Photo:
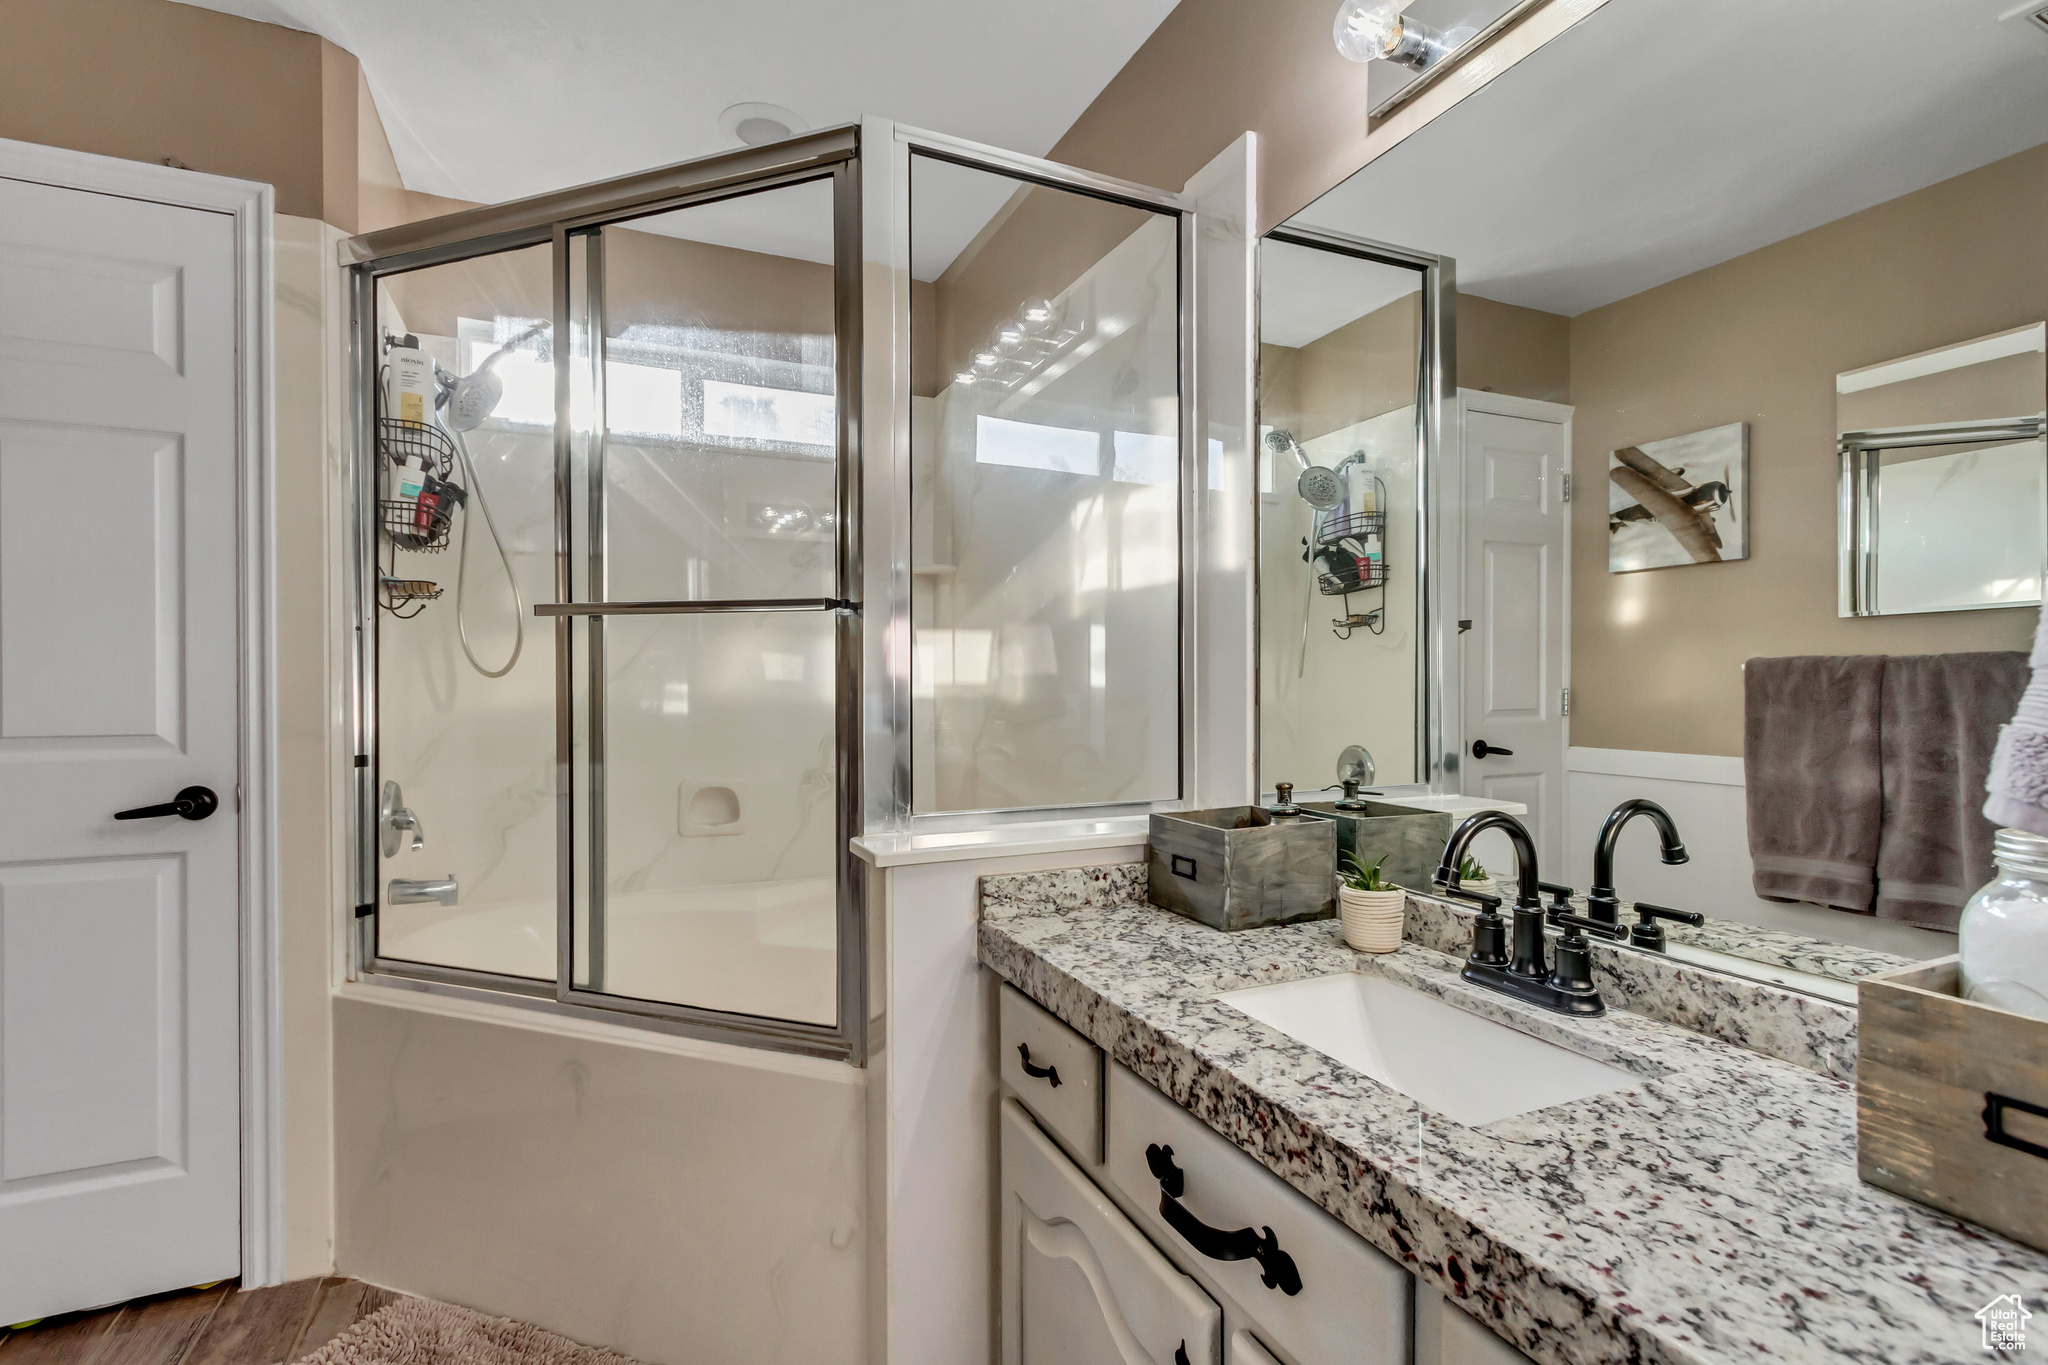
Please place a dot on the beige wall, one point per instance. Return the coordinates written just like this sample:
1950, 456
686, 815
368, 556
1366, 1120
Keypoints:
147, 79
1214, 69
1519, 351
1656, 655
1367, 366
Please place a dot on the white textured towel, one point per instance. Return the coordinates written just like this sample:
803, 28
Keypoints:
2019, 766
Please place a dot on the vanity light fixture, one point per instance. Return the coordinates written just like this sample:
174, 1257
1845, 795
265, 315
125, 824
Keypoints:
1376, 30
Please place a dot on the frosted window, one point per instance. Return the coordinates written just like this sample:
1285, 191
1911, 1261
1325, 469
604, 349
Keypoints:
761, 414
1027, 445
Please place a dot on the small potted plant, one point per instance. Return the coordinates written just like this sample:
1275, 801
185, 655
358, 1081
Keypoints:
1372, 908
1475, 878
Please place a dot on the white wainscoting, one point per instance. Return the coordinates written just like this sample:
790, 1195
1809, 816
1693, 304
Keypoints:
1704, 794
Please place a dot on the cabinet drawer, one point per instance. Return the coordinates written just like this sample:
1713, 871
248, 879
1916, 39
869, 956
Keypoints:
1353, 1303
1054, 1070
1079, 1282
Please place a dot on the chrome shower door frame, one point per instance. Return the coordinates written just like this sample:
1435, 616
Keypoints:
562, 220
1439, 725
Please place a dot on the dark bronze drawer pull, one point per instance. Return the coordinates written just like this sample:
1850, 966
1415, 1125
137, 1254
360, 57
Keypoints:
1048, 1073
1995, 1106
1276, 1267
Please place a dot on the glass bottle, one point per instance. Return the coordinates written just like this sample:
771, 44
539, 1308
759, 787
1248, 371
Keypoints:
2004, 930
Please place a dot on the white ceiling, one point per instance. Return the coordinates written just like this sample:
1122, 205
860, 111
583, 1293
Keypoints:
1305, 293
488, 100
1659, 137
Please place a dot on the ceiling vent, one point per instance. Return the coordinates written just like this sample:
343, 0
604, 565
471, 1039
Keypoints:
2032, 16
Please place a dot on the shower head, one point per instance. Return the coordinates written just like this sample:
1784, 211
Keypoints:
474, 397
1319, 488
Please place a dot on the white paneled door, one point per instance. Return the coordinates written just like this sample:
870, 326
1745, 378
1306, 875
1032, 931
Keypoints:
120, 1148
1513, 659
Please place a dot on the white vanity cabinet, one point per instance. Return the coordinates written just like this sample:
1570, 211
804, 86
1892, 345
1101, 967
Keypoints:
1080, 1284
1444, 1335
1132, 1232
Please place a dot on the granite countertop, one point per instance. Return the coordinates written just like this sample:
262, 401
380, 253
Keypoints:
1710, 1213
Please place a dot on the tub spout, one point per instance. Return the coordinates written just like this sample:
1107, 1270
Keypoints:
404, 892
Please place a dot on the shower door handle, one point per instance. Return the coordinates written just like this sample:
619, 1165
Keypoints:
193, 803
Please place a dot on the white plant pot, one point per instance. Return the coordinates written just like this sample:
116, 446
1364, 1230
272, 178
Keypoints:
1372, 919
1484, 887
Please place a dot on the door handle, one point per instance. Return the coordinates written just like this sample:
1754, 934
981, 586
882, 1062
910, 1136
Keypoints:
193, 803
1481, 749
1045, 1073
1276, 1267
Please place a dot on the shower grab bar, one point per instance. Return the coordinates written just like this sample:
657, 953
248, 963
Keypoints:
684, 608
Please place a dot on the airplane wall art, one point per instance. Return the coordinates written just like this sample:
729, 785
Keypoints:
1679, 501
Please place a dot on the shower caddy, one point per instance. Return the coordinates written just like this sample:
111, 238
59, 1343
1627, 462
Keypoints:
420, 524
1341, 563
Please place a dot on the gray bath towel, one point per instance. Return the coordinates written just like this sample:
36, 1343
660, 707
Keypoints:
1941, 721
2019, 769
1810, 763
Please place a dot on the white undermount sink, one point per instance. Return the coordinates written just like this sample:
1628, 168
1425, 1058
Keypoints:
1468, 1069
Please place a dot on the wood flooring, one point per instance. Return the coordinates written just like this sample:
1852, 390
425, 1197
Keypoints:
218, 1326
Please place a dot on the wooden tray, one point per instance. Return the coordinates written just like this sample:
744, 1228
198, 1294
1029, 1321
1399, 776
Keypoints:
1952, 1100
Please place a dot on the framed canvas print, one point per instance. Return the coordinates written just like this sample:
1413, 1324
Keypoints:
1679, 501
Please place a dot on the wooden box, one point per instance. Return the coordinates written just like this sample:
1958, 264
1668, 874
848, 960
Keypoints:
1410, 841
1952, 1100
1240, 867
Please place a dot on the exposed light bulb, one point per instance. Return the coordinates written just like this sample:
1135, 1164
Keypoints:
1009, 338
1038, 316
1376, 30
965, 377
986, 361
1363, 27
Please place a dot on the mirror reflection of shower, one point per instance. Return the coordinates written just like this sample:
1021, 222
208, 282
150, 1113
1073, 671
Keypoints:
1340, 499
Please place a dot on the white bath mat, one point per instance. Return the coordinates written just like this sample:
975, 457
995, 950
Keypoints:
422, 1332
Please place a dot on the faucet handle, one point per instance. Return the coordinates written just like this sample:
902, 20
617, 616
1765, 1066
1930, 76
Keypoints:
1572, 923
1647, 933
1650, 912
1560, 896
1489, 905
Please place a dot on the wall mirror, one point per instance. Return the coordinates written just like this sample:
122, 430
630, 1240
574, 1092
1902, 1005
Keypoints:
1346, 427
1695, 260
1942, 504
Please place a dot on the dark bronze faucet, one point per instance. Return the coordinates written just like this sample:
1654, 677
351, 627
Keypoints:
1568, 988
1601, 902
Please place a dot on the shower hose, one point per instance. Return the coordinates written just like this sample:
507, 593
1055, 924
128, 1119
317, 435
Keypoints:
476, 491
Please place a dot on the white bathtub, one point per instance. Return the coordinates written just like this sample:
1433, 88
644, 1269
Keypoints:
765, 948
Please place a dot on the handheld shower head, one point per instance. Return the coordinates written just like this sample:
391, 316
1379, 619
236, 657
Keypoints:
1318, 487
474, 397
